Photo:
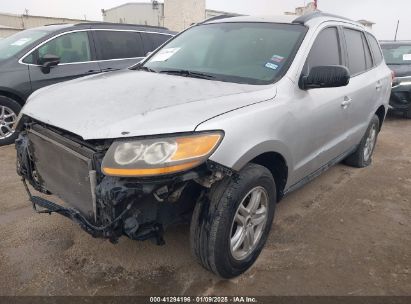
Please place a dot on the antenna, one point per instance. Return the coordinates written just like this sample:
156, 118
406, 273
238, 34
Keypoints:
396, 31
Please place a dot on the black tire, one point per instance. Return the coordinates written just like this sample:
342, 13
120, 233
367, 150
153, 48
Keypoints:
408, 114
15, 107
213, 217
358, 158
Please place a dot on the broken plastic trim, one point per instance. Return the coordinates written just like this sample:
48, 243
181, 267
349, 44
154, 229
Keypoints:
50, 207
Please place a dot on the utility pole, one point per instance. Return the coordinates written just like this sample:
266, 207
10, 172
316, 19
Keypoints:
396, 31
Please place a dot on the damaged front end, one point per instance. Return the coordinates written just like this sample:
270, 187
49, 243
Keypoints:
57, 162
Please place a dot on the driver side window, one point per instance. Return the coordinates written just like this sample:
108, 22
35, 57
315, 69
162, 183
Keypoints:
325, 50
73, 47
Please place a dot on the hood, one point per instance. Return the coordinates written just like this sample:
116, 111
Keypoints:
135, 103
401, 70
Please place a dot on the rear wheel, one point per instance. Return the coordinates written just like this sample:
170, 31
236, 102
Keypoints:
229, 231
9, 109
362, 157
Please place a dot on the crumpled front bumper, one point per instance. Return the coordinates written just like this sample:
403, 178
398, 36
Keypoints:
103, 206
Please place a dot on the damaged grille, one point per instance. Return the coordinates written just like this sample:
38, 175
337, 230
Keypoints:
65, 168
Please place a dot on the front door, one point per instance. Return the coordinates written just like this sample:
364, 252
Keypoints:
323, 119
75, 55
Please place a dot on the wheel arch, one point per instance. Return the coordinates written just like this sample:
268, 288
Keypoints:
381, 112
277, 165
275, 157
12, 95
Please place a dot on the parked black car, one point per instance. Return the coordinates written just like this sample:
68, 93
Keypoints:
397, 55
34, 58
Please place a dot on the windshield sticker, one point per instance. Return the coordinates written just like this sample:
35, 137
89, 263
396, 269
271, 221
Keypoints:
21, 41
406, 57
277, 58
271, 66
164, 54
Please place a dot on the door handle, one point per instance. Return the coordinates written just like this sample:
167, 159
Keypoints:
347, 102
378, 86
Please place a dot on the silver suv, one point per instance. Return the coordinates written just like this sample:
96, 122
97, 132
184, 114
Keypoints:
213, 128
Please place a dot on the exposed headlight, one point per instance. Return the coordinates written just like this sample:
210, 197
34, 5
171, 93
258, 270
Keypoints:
158, 156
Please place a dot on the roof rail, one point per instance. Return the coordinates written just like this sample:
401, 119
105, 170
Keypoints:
317, 14
122, 24
221, 17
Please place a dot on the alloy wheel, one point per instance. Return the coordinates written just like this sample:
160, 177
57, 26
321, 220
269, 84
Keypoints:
249, 223
7, 119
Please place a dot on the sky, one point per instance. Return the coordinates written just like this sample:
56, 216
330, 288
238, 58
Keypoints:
384, 13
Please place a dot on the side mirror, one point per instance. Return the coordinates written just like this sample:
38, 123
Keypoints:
48, 61
331, 76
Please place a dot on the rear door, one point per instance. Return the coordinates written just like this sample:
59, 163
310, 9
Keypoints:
118, 49
76, 59
364, 86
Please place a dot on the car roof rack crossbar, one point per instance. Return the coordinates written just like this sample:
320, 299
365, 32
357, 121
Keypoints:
122, 24
317, 14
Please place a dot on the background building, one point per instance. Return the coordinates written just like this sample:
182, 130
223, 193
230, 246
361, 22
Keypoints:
366, 23
302, 10
11, 23
136, 13
176, 15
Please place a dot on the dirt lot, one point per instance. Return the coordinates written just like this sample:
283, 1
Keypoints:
346, 233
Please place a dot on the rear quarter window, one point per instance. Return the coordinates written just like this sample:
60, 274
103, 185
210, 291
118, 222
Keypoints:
375, 48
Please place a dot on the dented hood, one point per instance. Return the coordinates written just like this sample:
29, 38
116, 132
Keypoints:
135, 103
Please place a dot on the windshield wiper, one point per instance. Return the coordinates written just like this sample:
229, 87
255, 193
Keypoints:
188, 73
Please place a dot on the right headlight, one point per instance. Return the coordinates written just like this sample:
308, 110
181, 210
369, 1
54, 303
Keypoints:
159, 156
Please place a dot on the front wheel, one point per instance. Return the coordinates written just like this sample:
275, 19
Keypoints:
229, 229
9, 109
362, 157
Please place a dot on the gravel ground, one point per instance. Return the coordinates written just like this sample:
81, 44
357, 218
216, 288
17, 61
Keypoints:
346, 233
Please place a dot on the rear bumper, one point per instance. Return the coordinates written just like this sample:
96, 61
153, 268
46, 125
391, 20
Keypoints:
103, 206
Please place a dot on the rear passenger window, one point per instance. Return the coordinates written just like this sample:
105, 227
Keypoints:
375, 48
118, 44
325, 51
357, 58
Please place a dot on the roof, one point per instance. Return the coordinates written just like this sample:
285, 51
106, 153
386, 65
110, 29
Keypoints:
304, 19
272, 19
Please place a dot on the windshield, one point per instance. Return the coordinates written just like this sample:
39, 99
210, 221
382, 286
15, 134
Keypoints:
253, 53
397, 53
13, 44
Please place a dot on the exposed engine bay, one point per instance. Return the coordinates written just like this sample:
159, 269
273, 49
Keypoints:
56, 162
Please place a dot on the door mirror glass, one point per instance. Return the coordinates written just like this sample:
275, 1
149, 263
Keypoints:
332, 76
48, 61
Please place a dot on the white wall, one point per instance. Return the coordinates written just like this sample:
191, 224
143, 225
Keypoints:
135, 13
